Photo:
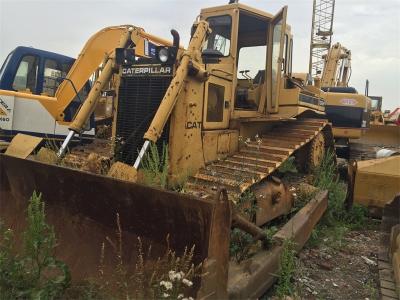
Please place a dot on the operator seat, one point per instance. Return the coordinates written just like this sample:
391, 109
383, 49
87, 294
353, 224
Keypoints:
242, 94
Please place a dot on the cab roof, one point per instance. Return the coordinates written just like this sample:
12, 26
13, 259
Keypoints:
239, 6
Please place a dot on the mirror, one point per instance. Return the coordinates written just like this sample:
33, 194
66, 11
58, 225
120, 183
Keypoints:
211, 56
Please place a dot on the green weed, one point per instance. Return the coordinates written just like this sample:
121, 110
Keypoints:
240, 244
288, 166
337, 221
285, 285
155, 167
370, 286
33, 272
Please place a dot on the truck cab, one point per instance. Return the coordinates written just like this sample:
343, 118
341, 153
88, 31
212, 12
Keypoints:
31, 70
27, 75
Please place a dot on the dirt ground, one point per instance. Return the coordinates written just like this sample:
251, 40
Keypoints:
336, 267
346, 271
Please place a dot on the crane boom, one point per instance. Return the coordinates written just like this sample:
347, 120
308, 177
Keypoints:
321, 34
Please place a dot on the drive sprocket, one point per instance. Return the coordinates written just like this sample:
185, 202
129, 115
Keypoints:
316, 152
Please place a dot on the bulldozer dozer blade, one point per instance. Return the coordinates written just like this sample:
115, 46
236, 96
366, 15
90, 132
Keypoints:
381, 135
375, 182
82, 207
23, 145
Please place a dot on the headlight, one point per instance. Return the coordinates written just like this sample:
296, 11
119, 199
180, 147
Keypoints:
163, 55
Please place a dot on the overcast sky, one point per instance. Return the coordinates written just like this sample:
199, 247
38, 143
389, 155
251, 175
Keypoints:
370, 28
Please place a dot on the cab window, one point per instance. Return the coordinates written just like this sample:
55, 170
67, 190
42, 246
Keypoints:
251, 61
52, 73
26, 76
215, 104
220, 38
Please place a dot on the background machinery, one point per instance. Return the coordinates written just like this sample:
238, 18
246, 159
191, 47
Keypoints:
375, 183
330, 67
225, 137
27, 76
321, 34
377, 117
47, 85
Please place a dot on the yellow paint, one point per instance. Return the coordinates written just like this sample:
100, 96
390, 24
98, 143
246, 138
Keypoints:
351, 133
377, 181
23, 145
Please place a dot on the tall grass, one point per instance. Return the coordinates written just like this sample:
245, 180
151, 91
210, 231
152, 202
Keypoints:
155, 166
167, 277
32, 272
287, 269
337, 221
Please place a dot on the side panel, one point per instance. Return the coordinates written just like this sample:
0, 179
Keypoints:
6, 112
22, 115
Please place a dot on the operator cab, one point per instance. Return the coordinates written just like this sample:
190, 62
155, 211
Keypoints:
255, 53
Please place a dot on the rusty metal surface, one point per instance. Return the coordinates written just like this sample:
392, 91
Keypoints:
146, 212
215, 269
255, 161
23, 145
253, 277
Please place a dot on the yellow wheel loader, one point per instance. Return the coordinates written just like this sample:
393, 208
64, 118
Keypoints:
229, 112
375, 184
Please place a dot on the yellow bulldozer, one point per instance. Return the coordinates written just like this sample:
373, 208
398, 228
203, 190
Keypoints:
380, 136
228, 112
375, 183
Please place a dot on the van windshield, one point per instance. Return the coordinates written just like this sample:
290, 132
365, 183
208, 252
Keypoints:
3, 67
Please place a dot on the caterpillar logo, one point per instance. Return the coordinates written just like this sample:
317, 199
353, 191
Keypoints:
154, 70
2, 112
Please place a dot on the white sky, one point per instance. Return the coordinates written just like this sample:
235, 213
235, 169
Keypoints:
370, 28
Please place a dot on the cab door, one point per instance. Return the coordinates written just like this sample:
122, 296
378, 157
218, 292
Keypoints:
275, 60
218, 88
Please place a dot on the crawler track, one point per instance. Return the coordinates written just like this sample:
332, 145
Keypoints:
256, 160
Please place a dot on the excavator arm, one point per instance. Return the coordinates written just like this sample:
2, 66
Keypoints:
336, 73
127, 36
96, 51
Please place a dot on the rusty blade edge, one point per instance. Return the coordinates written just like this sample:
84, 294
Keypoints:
265, 265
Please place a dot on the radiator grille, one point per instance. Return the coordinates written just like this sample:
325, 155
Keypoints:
138, 100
